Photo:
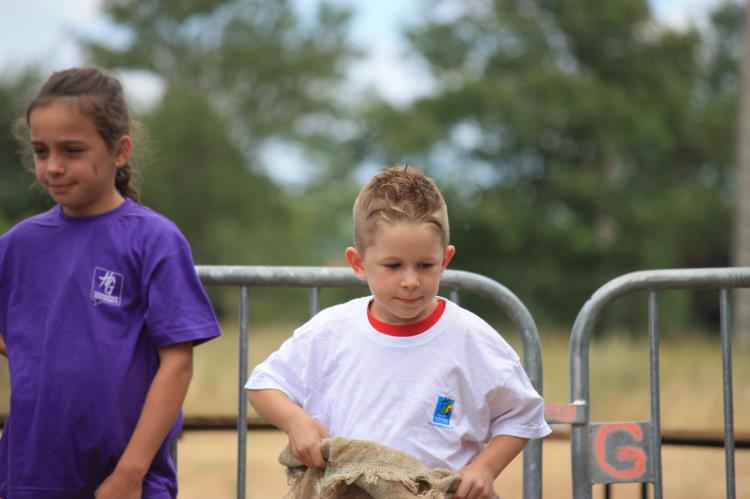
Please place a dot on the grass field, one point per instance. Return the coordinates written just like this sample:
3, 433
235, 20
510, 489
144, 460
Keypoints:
691, 399
690, 377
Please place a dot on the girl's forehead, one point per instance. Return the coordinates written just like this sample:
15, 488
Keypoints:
60, 116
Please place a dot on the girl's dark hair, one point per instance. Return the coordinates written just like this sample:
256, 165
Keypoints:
100, 97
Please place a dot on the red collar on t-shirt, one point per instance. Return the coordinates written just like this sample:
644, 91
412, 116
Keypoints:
413, 329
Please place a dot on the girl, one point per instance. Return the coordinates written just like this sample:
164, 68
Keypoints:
100, 308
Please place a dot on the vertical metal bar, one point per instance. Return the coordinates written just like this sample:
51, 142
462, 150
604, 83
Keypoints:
314, 300
242, 412
653, 337
532, 470
726, 358
454, 296
580, 452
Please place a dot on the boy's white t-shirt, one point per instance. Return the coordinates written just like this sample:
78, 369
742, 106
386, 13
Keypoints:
440, 395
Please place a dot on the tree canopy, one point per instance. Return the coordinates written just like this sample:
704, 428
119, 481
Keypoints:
581, 142
575, 141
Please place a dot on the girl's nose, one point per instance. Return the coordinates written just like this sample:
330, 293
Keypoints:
54, 165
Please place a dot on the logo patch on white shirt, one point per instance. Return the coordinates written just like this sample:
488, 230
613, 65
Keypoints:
443, 411
106, 287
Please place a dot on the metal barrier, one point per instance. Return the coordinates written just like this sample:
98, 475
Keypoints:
315, 278
630, 452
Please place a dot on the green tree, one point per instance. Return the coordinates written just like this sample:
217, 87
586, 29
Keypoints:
741, 249
19, 195
267, 72
239, 75
197, 176
581, 139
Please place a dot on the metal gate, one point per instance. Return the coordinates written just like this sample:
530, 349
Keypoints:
608, 453
630, 452
315, 278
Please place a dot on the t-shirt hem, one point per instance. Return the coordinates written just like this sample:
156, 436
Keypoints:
261, 385
197, 335
523, 431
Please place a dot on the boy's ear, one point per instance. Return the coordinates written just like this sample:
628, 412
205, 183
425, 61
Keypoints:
355, 262
450, 250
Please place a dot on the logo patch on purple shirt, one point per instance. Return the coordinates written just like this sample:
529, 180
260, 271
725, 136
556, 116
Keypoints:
106, 287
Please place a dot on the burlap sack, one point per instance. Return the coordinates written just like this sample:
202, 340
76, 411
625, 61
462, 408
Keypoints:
360, 469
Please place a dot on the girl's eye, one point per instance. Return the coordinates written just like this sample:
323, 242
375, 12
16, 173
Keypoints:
39, 151
73, 150
392, 265
426, 265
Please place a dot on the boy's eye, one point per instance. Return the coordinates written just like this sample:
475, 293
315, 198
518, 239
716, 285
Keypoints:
392, 265
39, 151
426, 265
73, 150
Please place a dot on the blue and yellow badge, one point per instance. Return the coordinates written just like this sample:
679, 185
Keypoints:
443, 411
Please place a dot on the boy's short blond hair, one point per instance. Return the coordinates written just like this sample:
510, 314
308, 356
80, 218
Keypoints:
400, 193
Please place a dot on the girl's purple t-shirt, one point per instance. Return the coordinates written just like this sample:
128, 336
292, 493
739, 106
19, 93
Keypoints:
85, 303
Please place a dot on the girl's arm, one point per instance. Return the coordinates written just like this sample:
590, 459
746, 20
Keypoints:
160, 410
477, 476
304, 432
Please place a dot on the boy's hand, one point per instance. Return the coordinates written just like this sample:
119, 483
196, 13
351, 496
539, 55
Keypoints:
305, 434
478, 475
476, 483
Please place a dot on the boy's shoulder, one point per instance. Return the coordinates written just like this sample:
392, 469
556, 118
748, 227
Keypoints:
338, 316
475, 331
466, 319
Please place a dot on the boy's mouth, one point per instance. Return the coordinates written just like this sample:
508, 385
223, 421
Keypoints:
408, 300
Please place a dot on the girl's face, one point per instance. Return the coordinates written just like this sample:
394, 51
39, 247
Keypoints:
72, 162
403, 267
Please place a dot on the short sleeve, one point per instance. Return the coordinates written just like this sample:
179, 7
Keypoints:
283, 370
516, 407
177, 307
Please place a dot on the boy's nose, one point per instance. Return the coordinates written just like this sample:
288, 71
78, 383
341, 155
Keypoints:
410, 279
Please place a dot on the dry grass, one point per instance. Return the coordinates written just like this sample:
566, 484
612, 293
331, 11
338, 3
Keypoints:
208, 460
691, 399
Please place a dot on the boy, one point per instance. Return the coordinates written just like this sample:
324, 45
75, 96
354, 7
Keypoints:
402, 367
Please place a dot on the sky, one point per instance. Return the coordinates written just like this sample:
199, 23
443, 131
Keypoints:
43, 32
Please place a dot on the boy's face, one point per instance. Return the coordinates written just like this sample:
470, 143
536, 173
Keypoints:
403, 267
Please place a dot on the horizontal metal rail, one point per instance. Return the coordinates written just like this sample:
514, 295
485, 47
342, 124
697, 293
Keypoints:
677, 438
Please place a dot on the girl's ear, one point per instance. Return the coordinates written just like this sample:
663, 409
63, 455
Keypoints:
123, 150
355, 262
450, 250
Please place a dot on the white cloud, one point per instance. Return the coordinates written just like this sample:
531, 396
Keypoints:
44, 31
684, 13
